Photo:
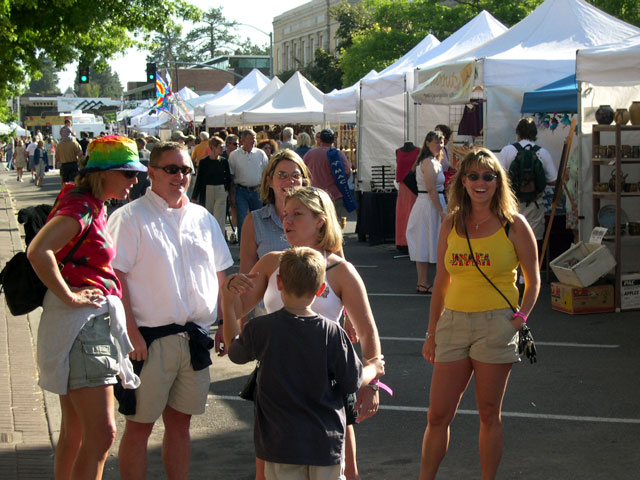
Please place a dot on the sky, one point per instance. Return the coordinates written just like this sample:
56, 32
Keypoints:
131, 66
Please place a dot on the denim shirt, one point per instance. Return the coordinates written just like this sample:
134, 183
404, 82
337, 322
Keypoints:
269, 231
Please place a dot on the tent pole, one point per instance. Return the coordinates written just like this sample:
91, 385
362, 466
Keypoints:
580, 171
356, 182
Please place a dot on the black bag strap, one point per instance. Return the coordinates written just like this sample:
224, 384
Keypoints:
69, 255
473, 257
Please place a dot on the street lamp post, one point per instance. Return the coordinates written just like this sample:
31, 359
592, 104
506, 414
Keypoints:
270, 35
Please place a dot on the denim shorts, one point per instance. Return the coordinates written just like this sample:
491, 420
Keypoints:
93, 359
487, 337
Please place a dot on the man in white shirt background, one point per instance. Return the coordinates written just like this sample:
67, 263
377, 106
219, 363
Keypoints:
246, 165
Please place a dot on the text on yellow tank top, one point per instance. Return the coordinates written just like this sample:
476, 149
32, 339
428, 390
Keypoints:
469, 290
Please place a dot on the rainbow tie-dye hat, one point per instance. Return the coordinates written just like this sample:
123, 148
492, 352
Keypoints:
113, 152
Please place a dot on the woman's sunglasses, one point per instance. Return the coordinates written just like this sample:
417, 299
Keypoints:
128, 173
487, 177
284, 175
173, 169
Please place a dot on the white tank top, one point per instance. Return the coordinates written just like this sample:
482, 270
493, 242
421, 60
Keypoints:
327, 304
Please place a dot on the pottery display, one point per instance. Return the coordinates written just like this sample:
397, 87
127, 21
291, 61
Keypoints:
625, 151
630, 187
621, 116
602, 187
634, 113
612, 182
604, 114
635, 151
634, 228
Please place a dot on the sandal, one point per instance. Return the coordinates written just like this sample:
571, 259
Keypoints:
424, 290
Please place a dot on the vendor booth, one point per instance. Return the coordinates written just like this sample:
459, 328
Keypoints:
244, 91
538, 50
387, 116
610, 75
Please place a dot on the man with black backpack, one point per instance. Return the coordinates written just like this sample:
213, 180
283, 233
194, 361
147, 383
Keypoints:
530, 169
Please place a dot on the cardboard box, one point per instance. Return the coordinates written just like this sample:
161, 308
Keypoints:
584, 263
572, 299
630, 292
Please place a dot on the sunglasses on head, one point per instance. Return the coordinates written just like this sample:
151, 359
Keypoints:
284, 175
487, 177
128, 173
173, 169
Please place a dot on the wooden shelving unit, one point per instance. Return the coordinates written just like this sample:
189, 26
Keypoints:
618, 163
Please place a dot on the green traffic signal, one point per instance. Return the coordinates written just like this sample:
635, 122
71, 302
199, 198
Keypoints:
83, 75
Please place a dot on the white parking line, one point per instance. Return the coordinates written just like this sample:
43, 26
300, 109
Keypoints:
547, 344
536, 416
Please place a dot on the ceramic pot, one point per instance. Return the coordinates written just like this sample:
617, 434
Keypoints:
604, 114
621, 116
634, 113
612, 182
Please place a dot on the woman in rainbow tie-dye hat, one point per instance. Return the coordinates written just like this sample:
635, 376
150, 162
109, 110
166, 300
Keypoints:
82, 337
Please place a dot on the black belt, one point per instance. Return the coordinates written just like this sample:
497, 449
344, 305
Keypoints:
248, 188
424, 191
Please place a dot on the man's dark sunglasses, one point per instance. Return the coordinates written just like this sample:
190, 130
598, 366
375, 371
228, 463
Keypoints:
173, 169
129, 173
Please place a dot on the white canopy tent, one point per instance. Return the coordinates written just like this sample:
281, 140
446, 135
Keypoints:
198, 103
606, 75
386, 117
17, 129
538, 50
298, 101
186, 93
235, 117
346, 99
4, 129
244, 90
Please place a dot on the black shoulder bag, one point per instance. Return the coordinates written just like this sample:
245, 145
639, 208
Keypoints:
526, 344
23, 289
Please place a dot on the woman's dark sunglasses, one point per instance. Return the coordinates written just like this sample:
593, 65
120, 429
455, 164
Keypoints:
284, 175
129, 173
487, 177
173, 169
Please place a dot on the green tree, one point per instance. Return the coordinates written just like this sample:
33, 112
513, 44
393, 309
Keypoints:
250, 48
72, 30
627, 10
352, 20
102, 83
169, 47
324, 72
211, 37
45, 81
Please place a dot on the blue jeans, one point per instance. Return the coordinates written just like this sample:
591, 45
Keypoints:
246, 201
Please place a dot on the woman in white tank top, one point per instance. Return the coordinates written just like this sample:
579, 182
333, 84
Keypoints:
310, 220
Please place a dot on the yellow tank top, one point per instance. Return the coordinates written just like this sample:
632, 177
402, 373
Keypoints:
469, 290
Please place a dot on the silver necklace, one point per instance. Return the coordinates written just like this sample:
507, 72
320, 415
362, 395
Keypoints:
481, 222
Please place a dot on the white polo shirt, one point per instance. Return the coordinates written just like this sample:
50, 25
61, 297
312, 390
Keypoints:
171, 257
509, 153
31, 148
247, 167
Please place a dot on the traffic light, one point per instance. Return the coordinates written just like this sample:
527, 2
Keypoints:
151, 72
83, 74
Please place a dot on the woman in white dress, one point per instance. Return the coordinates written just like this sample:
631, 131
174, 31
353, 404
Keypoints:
428, 211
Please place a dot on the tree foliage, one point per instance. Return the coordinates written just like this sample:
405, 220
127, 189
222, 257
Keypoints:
249, 48
211, 36
324, 72
169, 47
45, 81
75, 30
102, 83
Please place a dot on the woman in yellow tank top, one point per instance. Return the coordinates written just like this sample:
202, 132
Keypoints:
471, 329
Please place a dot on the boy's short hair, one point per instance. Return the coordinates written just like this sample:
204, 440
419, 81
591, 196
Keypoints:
301, 271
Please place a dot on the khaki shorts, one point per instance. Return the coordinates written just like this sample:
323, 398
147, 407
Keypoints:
534, 213
93, 359
285, 471
167, 378
487, 337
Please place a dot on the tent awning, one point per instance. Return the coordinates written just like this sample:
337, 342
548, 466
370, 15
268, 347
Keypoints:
559, 96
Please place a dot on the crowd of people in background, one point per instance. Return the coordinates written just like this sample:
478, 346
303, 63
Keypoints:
285, 201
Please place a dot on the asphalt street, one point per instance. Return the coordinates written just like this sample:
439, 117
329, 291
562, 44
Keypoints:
574, 414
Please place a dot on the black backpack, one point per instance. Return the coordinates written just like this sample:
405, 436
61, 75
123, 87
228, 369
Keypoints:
526, 174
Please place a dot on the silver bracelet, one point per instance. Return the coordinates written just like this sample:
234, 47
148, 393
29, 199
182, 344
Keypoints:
430, 335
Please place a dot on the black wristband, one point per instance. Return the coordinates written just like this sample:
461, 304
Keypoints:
220, 321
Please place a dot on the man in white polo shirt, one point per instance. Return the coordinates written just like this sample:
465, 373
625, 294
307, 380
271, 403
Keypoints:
171, 259
247, 164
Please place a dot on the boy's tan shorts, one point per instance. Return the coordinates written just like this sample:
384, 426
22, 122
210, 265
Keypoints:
285, 471
167, 378
487, 337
